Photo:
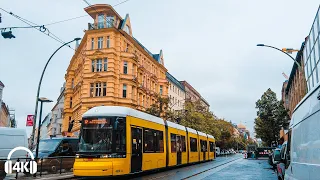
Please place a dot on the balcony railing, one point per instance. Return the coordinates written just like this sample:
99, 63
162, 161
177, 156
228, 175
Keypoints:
100, 25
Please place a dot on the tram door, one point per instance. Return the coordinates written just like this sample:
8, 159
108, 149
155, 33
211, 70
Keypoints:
136, 156
179, 150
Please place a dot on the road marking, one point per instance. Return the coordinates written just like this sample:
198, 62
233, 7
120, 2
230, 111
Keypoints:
215, 168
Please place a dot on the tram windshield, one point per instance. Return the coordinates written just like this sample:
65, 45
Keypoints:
103, 135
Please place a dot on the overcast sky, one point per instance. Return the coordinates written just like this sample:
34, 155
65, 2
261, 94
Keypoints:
209, 43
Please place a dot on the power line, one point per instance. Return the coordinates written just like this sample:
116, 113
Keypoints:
120, 3
57, 22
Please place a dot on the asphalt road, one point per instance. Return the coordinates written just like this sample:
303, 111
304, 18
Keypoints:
232, 167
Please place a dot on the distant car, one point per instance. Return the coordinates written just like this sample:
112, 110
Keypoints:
222, 152
217, 151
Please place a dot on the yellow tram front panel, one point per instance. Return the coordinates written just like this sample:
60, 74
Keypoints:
193, 147
100, 166
151, 159
177, 144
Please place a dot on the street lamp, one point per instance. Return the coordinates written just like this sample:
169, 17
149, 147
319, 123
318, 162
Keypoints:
38, 92
42, 100
263, 45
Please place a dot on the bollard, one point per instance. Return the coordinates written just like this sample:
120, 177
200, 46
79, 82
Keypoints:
41, 167
60, 164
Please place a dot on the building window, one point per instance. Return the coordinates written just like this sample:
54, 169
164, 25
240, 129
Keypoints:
93, 62
100, 21
127, 47
124, 91
193, 145
99, 65
91, 90
104, 89
98, 89
125, 67
70, 102
105, 64
127, 29
72, 83
110, 21
92, 43
108, 41
100, 42
161, 89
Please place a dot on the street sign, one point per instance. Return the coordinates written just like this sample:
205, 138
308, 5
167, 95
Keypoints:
30, 120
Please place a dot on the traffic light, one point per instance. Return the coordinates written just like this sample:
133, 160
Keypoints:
7, 35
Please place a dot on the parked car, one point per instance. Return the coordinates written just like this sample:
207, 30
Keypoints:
275, 157
11, 138
283, 161
51, 152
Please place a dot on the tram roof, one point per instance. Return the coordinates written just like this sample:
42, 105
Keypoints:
176, 126
121, 112
210, 136
202, 134
191, 130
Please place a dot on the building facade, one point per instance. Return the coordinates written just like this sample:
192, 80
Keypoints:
283, 94
55, 125
193, 95
4, 115
176, 93
311, 54
4, 110
296, 87
111, 67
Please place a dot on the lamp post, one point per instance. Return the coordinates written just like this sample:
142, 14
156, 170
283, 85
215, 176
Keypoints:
264, 45
38, 92
42, 100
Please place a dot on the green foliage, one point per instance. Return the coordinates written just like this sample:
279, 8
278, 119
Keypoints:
196, 116
271, 116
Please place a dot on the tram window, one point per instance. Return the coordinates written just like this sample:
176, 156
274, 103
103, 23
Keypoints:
193, 145
203, 146
173, 143
183, 143
158, 139
148, 141
211, 146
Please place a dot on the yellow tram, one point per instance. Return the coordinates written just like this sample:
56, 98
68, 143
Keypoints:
117, 140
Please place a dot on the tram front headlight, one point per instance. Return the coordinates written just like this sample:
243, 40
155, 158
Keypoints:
77, 155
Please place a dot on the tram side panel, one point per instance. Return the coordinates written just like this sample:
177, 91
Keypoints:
211, 145
193, 147
153, 144
203, 148
177, 147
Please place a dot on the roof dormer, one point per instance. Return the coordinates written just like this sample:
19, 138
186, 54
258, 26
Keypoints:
126, 25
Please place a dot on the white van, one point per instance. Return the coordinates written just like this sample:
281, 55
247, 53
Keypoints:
217, 151
9, 139
304, 153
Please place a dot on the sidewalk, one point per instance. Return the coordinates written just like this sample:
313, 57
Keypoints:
44, 176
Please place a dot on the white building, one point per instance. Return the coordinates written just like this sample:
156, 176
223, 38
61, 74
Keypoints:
54, 128
176, 93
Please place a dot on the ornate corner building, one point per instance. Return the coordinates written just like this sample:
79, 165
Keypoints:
111, 67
